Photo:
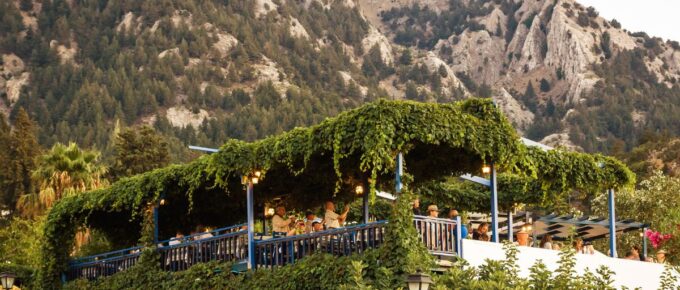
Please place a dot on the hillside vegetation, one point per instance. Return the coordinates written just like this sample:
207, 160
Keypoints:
202, 72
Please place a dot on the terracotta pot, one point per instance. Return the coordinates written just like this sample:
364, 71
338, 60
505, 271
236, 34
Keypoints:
523, 238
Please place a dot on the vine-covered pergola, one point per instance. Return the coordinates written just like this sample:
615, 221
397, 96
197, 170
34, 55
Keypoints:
327, 161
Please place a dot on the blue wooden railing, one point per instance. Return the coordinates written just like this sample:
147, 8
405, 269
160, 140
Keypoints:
441, 237
341, 242
109, 263
231, 246
91, 269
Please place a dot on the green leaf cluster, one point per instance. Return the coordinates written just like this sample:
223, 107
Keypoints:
324, 162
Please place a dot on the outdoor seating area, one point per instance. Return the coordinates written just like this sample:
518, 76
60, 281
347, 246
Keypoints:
350, 157
441, 237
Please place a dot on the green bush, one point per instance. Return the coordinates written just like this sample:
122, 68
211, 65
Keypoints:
504, 275
362, 271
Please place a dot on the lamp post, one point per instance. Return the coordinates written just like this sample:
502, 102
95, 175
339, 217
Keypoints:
7, 280
418, 281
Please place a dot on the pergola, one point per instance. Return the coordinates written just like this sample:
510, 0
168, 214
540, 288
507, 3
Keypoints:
371, 146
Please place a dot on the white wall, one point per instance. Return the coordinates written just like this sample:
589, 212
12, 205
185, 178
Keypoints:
629, 273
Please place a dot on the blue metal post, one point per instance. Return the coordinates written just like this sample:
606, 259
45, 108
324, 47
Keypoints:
155, 224
400, 172
612, 225
494, 204
366, 206
251, 227
510, 227
644, 243
459, 238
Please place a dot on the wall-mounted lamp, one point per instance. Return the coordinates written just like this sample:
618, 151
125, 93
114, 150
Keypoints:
359, 189
162, 202
270, 212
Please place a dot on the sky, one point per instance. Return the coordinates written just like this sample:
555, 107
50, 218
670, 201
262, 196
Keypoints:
656, 17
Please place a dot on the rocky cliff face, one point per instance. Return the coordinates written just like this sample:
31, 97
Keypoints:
518, 42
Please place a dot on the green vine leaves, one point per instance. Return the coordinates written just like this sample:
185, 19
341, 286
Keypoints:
359, 144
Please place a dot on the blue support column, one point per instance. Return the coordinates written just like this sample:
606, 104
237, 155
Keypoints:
400, 172
612, 225
494, 204
459, 237
644, 243
510, 227
155, 224
251, 227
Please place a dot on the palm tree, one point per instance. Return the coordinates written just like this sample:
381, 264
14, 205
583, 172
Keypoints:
62, 171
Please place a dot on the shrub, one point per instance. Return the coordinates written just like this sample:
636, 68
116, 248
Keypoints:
545, 85
583, 20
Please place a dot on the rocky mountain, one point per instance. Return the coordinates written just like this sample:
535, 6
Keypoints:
205, 71
558, 46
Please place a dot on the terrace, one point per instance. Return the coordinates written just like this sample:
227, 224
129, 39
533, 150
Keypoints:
369, 147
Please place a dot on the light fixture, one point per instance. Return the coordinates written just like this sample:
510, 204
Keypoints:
486, 169
7, 280
270, 212
418, 281
162, 202
359, 189
527, 228
253, 177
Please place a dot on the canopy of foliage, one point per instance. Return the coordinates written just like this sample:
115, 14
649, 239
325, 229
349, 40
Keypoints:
326, 161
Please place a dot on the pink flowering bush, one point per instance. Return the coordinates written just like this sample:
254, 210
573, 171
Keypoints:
657, 238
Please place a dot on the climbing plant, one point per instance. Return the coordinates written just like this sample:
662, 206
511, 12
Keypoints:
327, 161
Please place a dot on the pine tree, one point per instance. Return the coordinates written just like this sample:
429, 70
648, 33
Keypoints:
26, 5
4, 160
529, 98
24, 149
138, 151
442, 71
484, 91
406, 57
411, 91
545, 85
